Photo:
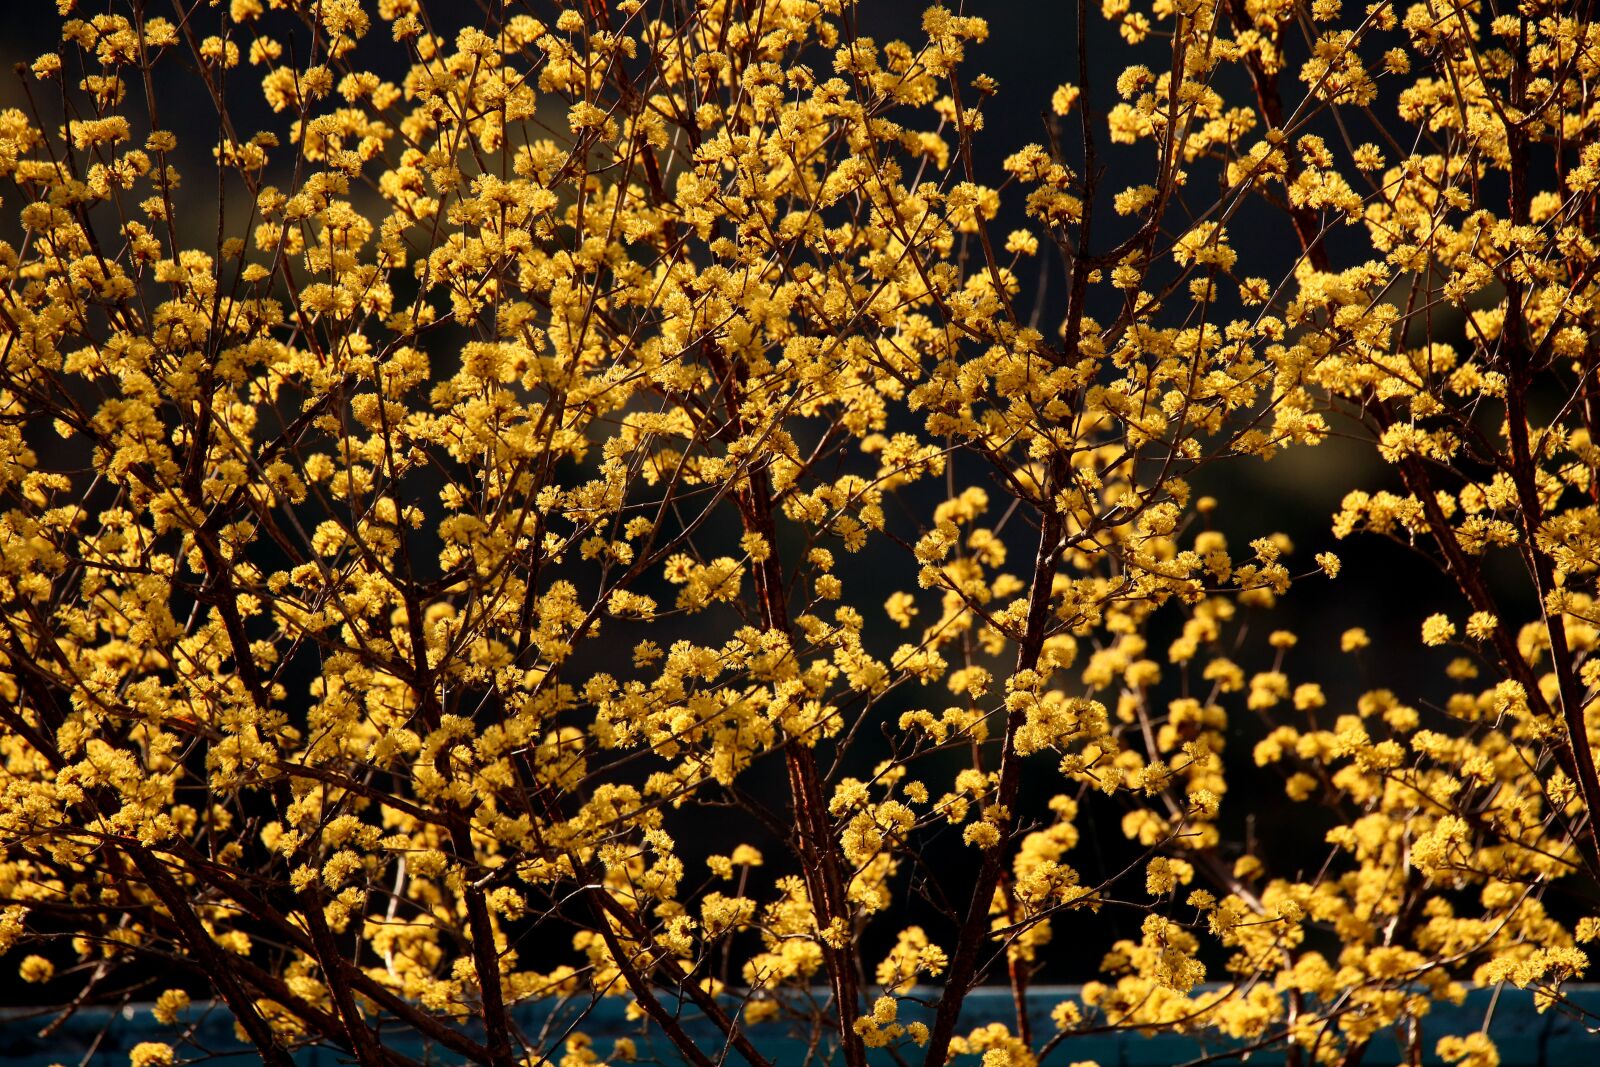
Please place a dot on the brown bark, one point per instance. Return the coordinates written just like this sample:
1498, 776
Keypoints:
964, 964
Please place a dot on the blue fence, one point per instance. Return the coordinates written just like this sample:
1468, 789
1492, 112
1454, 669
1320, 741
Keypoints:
1526, 1038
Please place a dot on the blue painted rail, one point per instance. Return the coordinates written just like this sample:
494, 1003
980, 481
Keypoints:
1526, 1038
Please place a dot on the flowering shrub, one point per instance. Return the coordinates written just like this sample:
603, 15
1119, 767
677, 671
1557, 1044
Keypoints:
586, 505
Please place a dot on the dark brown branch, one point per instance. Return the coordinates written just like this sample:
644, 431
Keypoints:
969, 945
211, 957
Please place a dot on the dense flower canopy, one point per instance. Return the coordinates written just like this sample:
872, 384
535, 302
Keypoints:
592, 502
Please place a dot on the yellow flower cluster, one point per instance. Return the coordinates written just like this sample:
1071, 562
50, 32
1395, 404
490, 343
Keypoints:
421, 566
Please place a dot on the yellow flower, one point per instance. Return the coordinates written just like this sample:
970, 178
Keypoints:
36, 969
150, 1054
169, 1005
1437, 629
